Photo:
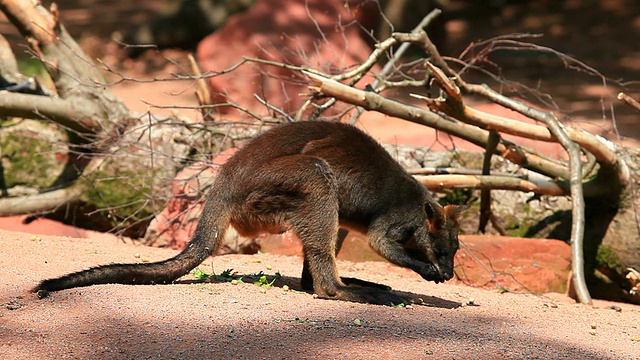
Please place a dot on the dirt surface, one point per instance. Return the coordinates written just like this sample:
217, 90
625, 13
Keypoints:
221, 320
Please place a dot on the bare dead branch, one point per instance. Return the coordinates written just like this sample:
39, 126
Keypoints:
202, 89
76, 78
35, 22
485, 194
577, 196
455, 104
41, 202
629, 101
602, 149
373, 101
359, 71
491, 182
390, 65
457, 171
8, 64
69, 114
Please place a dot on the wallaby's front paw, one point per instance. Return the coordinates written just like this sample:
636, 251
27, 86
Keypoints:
430, 273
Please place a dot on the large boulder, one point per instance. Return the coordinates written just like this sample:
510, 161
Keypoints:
514, 264
318, 33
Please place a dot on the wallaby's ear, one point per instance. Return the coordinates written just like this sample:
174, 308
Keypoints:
434, 211
453, 211
435, 216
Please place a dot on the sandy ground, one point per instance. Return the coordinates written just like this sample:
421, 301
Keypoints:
220, 320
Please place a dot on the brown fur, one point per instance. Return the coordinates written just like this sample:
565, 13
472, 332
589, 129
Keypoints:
311, 178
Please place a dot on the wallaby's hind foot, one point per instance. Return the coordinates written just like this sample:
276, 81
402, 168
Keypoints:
368, 295
307, 283
357, 282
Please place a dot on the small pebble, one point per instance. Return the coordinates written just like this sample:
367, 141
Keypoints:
268, 267
592, 331
285, 287
234, 282
594, 325
136, 255
315, 296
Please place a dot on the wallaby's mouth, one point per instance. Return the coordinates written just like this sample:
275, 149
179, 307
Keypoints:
442, 275
436, 273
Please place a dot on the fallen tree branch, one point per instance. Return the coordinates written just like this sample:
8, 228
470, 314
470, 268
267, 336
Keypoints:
458, 171
629, 100
370, 100
494, 182
75, 76
70, 114
453, 105
485, 194
577, 196
41, 202
601, 148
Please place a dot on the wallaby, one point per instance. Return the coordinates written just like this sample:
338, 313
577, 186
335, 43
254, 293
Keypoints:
311, 178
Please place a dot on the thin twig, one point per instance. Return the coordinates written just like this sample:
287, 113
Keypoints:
388, 67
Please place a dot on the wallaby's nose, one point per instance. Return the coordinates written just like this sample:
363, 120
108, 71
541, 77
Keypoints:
445, 274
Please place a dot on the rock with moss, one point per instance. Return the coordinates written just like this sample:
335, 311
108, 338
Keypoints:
32, 154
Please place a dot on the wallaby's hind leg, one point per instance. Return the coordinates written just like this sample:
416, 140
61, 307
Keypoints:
306, 281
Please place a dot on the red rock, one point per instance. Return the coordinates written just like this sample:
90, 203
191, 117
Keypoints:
317, 33
40, 226
517, 264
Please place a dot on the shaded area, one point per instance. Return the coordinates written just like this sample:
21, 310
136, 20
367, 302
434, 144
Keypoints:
274, 334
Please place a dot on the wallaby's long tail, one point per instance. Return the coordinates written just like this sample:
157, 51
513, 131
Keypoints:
206, 240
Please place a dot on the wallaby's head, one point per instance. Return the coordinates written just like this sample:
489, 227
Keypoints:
438, 243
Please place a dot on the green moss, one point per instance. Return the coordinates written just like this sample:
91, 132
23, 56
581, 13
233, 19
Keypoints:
28, 160
607, 257
125, 196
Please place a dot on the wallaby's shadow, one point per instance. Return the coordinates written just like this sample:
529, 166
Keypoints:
294, 284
